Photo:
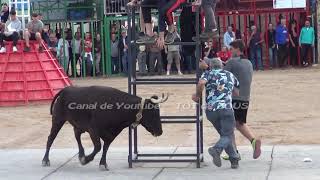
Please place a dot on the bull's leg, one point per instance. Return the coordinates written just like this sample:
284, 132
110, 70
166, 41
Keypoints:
77, 134
97, 147
103, 163
57, 124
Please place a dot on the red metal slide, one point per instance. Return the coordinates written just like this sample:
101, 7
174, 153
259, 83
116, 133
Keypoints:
29, 77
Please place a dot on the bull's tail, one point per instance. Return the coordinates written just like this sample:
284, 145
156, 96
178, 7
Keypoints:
54, 100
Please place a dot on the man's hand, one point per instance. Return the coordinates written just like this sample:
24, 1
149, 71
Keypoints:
160, 42
195, 98
203, 65
132, 3
125, 46
197, 3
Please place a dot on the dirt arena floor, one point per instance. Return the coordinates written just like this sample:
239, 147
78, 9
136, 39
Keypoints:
284, 110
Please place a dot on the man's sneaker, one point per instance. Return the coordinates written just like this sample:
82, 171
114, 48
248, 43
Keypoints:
226, 157
26, 49
168, 73
215, 156
180, 73
14, 49
256, 145
3, 50
41, 49
169, 38
207, 35
146, 39
234, 164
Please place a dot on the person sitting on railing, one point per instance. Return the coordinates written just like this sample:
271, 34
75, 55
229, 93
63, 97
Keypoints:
165, 8
209, 7
11, 32
4, 14
33, 33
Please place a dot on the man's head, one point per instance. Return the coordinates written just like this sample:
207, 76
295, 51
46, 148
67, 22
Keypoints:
214, 63
78, 36
283, 21
254, 29
34, 16
124, 33
307, 23
52, 37
40, 16
5, 7
237, 48
98, 37
88, 35
113, 36
224, 49
13, 15
270, 26
230, 28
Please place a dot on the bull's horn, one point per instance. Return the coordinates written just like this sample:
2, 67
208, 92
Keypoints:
163, 99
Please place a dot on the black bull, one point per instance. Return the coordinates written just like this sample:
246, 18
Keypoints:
103, 112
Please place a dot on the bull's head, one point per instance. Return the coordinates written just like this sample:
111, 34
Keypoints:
151, 114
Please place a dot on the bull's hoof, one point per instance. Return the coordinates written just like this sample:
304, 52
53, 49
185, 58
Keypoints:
83, 160
45, 163
103, 167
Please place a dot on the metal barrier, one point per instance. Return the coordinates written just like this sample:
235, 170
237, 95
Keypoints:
84, 63
242, 22
134, 81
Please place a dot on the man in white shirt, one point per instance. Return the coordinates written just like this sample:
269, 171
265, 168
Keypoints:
11, 32
229, 37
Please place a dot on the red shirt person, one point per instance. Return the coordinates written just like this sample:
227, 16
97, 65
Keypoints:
224, 54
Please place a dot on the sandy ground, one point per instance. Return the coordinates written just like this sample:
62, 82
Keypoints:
284, 110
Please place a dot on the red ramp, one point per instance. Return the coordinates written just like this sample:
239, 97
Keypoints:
29, 77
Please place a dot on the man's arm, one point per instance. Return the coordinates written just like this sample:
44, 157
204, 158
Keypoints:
200, 88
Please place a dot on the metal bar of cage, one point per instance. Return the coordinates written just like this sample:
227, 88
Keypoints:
133, 81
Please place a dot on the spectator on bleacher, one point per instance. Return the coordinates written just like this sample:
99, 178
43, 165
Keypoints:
228, 37
76, 48
123, 46
294, 43
142, 60
173, 52
282, 40
155, 58
306, 41
11, 32
53, 44
63, 52
4, 15
114, 54
224, 54
255, 45
33, 32
88, 54
97, 51
270, 38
